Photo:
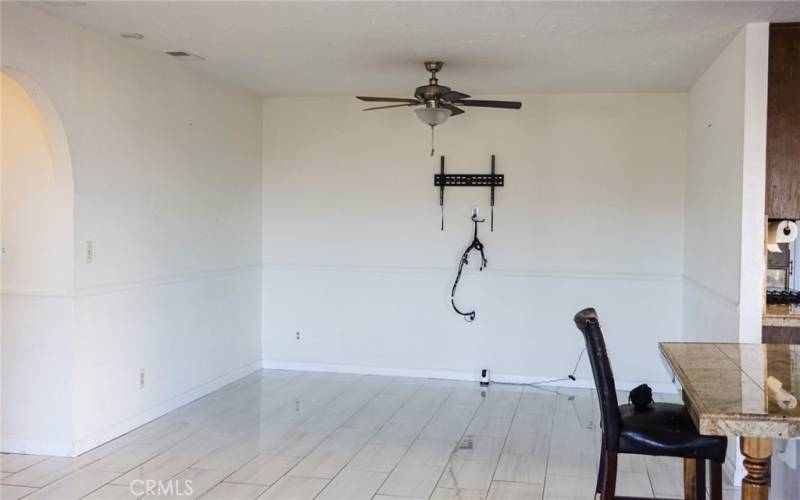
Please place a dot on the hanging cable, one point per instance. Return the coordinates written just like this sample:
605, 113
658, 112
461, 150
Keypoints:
475, 245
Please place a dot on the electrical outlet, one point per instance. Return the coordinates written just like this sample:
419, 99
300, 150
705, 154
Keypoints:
89, 251
298, 335
141, 378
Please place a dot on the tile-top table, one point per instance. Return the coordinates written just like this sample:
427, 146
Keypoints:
725, 390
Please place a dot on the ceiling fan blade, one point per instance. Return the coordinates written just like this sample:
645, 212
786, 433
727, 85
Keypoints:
454, 111
392, 106
454, 95
387, 99
490, 104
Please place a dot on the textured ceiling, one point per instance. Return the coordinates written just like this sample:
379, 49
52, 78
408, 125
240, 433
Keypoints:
343, 48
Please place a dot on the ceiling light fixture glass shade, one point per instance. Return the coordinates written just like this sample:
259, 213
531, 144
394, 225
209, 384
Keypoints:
433, 116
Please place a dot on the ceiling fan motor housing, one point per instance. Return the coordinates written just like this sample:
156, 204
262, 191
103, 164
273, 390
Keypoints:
437, 97
430, 92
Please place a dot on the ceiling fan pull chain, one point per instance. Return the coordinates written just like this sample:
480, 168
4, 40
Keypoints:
433, 149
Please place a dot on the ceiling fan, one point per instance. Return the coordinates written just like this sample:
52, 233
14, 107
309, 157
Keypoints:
440, 102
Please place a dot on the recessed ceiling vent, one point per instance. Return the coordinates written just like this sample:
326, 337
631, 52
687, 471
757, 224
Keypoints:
184, 55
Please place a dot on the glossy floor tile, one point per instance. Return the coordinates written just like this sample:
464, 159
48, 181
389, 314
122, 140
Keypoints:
74, 486
353, 485
296, 435
412, 480
14, 492
231, 491
15, 463
295, 488
502, 490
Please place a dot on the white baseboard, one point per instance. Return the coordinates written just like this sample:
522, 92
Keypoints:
471, 376
32, 447
92, 441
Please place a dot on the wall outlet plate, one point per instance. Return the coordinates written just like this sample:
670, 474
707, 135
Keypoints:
89, 247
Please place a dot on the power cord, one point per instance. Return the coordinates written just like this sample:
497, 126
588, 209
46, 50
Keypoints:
571, 376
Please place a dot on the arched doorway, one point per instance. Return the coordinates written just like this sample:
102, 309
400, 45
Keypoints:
37, 272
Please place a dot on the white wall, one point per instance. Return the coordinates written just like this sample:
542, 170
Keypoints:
167, 169
591, 215
724, 256
598, 210
725, 196
754, 181
37, 274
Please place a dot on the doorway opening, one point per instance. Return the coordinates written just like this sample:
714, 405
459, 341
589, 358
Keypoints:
36, 273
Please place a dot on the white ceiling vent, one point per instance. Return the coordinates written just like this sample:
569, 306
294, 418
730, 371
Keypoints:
184, 55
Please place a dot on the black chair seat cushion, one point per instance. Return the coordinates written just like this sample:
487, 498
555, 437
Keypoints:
666, 429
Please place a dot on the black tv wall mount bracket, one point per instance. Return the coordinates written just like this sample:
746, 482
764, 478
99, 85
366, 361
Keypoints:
492, 180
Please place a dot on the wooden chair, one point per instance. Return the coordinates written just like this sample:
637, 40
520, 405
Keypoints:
663, 429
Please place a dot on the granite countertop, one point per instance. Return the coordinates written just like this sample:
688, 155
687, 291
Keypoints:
724, 386
782, 315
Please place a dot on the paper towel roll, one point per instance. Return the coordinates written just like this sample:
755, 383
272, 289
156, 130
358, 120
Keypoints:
784, 398
784, 231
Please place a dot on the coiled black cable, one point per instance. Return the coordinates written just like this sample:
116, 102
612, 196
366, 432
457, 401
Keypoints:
475, 245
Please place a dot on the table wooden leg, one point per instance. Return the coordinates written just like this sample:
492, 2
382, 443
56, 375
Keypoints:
757, 452
689, 478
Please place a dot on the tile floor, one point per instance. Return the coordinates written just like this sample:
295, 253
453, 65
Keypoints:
295, 435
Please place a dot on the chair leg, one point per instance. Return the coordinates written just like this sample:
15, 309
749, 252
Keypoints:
607, 476
700, 479
601, 475
716, 480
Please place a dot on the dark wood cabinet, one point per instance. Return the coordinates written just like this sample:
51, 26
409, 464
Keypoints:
780, 335
783, 122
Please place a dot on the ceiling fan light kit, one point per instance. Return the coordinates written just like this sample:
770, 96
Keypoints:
440, 101
432, 115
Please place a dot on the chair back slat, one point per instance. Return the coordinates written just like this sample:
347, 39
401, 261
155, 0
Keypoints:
587, 322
